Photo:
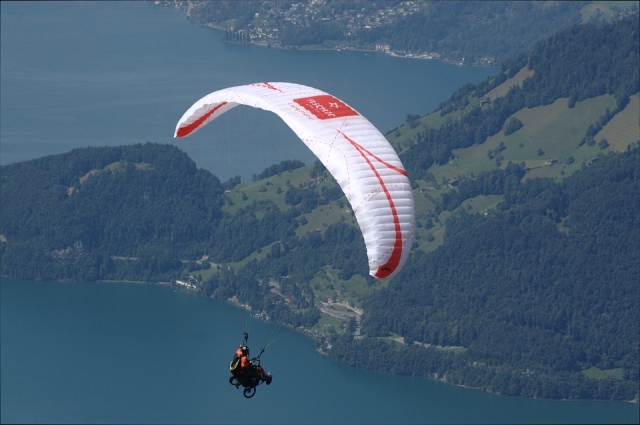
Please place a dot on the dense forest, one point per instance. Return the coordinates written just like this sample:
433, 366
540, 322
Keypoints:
535, 294
538, 298
127, 212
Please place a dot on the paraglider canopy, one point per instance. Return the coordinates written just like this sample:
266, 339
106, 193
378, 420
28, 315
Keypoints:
359, 157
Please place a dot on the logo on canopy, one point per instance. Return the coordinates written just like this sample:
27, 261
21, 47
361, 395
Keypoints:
326, 107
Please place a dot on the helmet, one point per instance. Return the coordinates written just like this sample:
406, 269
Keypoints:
244, 349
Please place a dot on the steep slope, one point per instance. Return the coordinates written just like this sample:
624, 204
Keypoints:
541, 294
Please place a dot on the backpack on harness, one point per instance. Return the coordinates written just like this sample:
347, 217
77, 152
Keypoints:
234, 366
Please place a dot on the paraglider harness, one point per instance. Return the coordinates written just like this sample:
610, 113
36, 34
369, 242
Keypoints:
253, 376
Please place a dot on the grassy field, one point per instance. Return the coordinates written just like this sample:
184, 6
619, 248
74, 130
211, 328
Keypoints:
398, 339
454, 350
272, 188
328, 285
516, 80
624, 128
555, 130
329, 324
604, 9
326, 215
481, 203
595, 373
256, 255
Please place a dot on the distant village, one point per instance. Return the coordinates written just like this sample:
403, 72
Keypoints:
265, 27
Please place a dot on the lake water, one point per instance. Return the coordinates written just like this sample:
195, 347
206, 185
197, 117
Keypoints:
109, 73
102, 73
124, 353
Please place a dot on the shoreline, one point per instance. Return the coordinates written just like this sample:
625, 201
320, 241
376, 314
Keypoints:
276, 45
308, 332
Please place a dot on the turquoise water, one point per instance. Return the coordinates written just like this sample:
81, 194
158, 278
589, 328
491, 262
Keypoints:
124, 353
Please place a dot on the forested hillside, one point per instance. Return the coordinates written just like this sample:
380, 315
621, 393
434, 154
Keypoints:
579, 63
513, 300
128, 212
534, 292
535, 297
468, 32
475, 32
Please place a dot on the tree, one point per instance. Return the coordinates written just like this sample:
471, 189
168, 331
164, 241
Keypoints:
512, 126
603, 143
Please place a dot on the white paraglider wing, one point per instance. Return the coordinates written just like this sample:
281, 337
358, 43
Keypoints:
358, 156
